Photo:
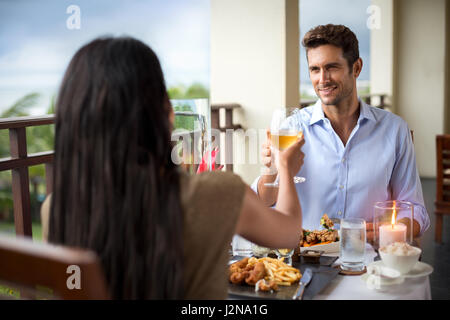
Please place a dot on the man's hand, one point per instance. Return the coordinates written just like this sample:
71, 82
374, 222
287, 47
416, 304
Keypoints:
370, 233
407, 223
267, 156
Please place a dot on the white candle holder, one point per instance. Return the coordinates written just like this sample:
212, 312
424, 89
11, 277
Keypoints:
386, 225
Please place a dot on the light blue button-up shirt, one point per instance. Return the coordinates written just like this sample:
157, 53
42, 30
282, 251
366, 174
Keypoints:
377, 164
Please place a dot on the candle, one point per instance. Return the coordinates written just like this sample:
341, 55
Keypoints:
394, 232
390, 233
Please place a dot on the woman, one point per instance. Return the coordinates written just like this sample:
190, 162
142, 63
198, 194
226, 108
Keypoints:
159, 233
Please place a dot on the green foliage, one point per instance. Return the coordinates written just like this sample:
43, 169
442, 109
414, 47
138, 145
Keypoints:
197, 91
21, 107
176, 92
182, 121
180, 92
194, 91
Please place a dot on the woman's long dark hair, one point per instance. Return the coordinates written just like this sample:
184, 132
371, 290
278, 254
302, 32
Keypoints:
116, 190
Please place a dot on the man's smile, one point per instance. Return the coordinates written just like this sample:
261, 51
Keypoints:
327, 90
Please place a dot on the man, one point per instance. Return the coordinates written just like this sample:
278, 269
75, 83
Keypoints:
355, 154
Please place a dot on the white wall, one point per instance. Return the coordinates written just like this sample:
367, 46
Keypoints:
250, 64
408, 63
382, 50
420, 79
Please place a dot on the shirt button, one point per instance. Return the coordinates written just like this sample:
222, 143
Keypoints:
341, 187
343, 160
339, 212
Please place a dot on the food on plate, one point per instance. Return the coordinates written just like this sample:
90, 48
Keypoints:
257, 273
239, 277
319, 237
273, 272
326, 222
266, 285
238, 266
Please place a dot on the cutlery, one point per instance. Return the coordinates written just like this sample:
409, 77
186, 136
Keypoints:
304, 281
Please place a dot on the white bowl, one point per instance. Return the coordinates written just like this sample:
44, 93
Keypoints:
402, 263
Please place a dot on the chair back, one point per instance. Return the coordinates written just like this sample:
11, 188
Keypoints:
443, 168
64, 273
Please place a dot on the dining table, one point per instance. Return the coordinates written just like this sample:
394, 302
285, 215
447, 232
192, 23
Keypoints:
353, 287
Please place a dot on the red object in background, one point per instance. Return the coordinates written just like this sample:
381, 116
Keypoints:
203, 166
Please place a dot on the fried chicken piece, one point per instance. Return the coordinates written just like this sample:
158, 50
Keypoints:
239, 271
258, 273
311, 237
249, 267
239, 277
263, 285
331, 235
238, 266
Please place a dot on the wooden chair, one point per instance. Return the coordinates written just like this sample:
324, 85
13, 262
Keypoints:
40, 269
442, 203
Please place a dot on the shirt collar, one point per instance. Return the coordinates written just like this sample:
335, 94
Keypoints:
364, 112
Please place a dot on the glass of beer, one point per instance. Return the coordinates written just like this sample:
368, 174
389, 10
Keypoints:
285, 129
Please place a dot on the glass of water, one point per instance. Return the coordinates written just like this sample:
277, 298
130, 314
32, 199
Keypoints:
352, 244
241, 246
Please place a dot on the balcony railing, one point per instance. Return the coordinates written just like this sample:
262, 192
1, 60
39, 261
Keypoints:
227, 147
18, 163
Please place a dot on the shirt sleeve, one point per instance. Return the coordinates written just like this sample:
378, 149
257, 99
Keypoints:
405, 179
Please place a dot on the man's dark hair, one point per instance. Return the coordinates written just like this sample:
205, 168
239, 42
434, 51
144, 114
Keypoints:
336, 35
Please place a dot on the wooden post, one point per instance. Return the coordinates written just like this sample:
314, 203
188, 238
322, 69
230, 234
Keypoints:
229, 140
20, 183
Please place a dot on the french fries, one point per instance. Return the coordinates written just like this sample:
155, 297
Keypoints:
277, 270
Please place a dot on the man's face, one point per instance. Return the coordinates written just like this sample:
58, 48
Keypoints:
330, 75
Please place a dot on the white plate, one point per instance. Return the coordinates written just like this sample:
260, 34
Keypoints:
420, 269
328, 248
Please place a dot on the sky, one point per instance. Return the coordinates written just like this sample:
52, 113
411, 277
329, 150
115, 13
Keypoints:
36, 44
